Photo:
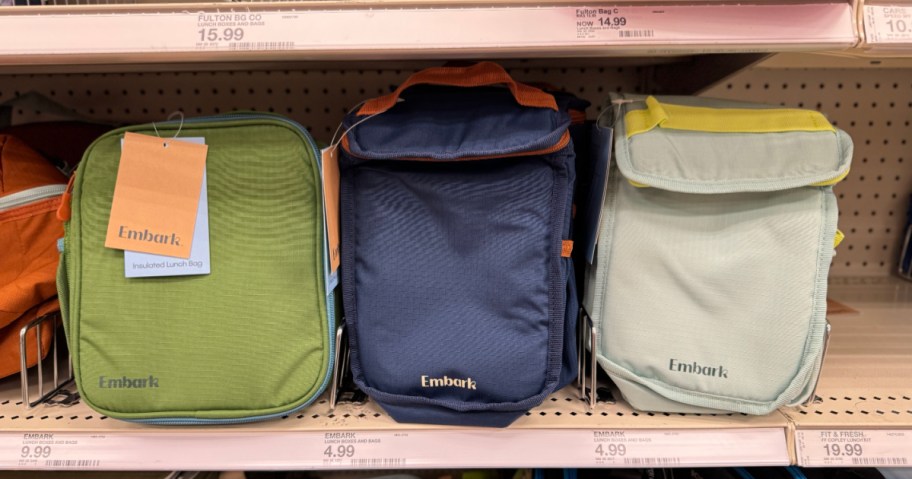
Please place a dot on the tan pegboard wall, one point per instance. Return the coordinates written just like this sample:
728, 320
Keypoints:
317, 99
875, 108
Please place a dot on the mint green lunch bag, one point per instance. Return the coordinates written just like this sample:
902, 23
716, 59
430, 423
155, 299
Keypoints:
708, 290
252, 339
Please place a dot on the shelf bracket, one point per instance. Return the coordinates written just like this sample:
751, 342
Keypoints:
698, 74
59, 383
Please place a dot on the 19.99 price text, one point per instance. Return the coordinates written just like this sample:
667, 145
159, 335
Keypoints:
848, 450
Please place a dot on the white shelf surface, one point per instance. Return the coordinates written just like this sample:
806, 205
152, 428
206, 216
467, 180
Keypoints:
413, 30
562, 432
866, 386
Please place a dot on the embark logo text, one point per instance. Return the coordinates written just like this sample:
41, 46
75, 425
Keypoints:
146, 235
696, 368
124, 382
467, 383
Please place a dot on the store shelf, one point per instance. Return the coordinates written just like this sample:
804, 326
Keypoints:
561, 432
866, 390
866, 385
867, 381
316, 30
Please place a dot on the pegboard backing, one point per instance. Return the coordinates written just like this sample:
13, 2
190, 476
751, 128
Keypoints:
872, 105
875, 108
317, 99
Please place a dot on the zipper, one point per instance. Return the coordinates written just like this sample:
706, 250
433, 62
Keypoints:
31, 195
330, 299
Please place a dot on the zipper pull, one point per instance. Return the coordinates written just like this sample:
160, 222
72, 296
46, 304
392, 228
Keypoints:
64, 211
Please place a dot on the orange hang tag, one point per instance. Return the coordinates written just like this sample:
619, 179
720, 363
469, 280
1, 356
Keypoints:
156, 195
331, 203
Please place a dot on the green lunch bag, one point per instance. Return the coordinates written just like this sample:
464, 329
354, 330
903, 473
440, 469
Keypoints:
708, 292
252, 339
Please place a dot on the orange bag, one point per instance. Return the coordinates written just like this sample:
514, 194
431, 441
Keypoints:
30, 192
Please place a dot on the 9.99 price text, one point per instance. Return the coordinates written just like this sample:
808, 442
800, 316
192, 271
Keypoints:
36, 452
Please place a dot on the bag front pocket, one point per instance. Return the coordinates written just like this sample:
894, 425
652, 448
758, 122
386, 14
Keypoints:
453, 268
714, 256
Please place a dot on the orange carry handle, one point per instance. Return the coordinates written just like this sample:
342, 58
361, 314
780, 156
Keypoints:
64, 211
483, 73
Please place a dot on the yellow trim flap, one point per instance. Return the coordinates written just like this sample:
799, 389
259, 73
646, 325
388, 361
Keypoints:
833, 181
837, 240
722, 120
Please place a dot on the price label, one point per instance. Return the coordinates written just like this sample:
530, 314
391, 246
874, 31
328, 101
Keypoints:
396, 30
239, 31
634, 448
707, 24
49, 451
364, 449
888, 24
612, 22
662, 448
834, 447
465, 447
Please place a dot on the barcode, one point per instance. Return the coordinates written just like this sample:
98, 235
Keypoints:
637, 33
72, 463
261, 45
378, 462
650, 461
880, 461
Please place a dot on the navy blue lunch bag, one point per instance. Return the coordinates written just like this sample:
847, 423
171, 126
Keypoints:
457, 284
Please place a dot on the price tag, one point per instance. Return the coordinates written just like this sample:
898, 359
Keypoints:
330, 172
356, 450
240, 31
556, 448
842, 447
631, 448
229, 449
409, 31
888, 24
699, 24
156, 195
594, 22
663, 448
49, 451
